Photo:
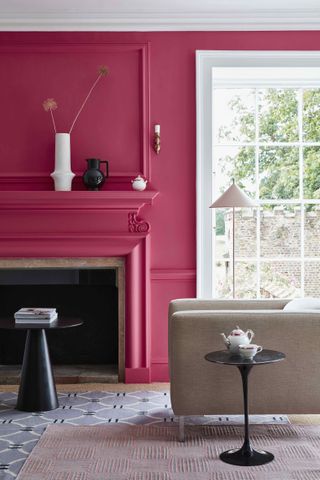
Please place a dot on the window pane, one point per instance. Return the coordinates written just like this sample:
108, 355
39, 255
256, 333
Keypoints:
311, 279
280, 231
312, 231
246, 280
245, 276
237, 163
280, 279
245, 233
279, 172
223, 241
311, 115
233, 118
223, 279
311, 181
278, 115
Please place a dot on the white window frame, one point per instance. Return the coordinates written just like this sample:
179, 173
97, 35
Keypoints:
206, 60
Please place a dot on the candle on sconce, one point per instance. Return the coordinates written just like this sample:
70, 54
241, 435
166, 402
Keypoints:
156, 143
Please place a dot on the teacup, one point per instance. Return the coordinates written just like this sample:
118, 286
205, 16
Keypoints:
250, 350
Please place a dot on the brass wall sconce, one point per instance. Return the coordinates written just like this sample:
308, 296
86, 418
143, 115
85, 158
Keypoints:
156, 139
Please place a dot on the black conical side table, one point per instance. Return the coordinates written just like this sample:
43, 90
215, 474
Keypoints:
245, 456
37, 390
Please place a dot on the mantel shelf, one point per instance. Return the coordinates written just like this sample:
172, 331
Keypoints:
126, 200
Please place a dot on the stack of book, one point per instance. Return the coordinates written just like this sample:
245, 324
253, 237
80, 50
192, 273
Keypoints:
35, 315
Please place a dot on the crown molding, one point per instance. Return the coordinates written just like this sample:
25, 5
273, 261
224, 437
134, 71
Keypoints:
280, 19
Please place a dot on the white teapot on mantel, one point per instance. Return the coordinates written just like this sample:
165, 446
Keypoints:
139, 183
237, 337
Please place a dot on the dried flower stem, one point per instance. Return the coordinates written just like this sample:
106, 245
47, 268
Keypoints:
85, 101
53, 122
51, 104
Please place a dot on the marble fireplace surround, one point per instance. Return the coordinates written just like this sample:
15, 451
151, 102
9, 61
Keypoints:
89, 230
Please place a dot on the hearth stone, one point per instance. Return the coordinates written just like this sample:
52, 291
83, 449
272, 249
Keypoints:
70, 374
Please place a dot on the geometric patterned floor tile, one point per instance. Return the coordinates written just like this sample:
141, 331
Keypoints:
20, 431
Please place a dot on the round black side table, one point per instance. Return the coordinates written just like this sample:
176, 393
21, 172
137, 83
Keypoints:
246, 456
37, 390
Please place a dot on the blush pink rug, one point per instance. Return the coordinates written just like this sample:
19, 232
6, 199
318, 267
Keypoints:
126, 452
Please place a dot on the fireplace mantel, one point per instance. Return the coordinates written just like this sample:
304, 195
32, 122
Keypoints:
125, 200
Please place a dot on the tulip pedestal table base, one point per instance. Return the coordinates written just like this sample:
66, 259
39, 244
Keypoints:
245, 456
37, 390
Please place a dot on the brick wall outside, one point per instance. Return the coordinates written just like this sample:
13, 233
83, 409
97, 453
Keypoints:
280, 237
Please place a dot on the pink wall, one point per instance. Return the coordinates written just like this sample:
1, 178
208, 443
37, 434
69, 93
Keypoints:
152, 80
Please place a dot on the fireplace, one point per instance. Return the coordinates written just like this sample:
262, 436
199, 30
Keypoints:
43, 229
92, 289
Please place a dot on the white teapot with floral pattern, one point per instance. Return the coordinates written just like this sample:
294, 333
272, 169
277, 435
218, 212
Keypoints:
237, 337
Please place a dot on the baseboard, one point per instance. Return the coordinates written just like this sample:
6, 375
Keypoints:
159, 372
137, 375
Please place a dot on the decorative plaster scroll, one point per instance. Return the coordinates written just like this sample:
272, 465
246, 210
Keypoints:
137, 224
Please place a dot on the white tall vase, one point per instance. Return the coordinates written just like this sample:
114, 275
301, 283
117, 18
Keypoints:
62, 174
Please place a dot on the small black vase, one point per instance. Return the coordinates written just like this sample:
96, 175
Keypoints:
93, 177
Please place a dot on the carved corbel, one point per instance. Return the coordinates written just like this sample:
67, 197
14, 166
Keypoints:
137, 224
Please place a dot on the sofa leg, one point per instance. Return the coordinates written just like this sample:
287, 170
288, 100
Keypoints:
181, 429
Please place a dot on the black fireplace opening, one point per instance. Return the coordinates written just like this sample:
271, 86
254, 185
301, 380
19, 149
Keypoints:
90, 294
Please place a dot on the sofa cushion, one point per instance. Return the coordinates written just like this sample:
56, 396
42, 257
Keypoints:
303, 305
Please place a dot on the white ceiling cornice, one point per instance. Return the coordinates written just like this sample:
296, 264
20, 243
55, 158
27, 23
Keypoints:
229, 20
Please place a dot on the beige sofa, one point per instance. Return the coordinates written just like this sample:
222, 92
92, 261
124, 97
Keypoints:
202, 388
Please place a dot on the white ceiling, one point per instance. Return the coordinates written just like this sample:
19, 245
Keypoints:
157, 15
